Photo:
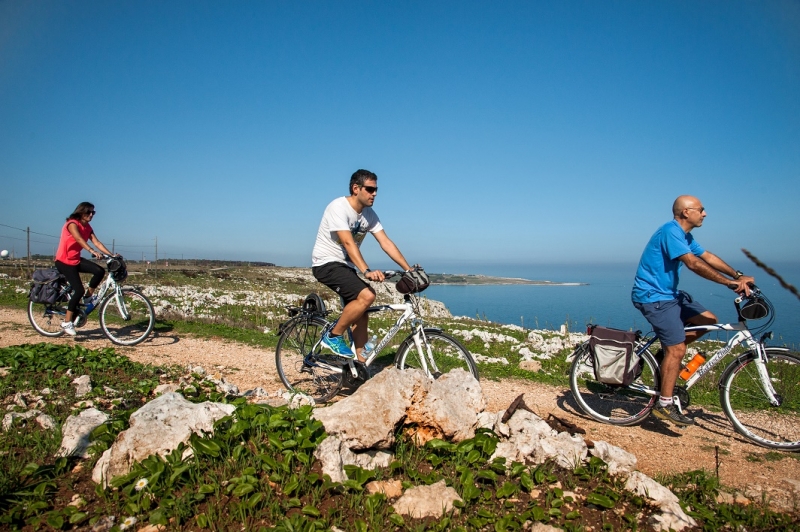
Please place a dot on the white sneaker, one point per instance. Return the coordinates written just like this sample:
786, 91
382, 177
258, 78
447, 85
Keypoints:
68, 328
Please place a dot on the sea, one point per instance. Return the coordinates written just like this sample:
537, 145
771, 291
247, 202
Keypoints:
600, 294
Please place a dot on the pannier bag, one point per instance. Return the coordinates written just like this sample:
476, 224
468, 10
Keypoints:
46, 286
615, 361
413, 281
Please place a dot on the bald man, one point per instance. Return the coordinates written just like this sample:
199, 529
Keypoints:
655, 293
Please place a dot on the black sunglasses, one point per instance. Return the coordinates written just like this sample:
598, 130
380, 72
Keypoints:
370, 190
92, 212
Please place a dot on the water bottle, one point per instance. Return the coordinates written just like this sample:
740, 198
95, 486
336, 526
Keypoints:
697, 361
369, 346
90, 304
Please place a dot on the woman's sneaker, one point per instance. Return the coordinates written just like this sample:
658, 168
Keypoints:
673, 414
68, 328
338, 346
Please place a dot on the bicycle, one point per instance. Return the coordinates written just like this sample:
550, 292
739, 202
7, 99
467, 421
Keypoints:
759, 390
126, 316
304, 368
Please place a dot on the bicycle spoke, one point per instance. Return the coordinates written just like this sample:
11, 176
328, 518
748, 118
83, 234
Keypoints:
46, 319
301, 366
127, 317
618, 405
748, 405
441, 353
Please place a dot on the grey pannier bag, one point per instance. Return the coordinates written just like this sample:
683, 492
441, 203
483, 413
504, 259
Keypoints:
615, 360
46, 286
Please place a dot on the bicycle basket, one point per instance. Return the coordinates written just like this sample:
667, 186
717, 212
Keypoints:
118, 269
413, 281
756, 308
313, 304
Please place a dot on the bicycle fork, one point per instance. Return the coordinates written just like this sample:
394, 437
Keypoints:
425, 355
763, 376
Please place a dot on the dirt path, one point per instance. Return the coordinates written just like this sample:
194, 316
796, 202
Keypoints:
659, 448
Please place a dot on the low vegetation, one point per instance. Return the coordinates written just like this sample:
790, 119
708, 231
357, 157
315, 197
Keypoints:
258, 472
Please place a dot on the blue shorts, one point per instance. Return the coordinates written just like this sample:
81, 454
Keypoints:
668, 317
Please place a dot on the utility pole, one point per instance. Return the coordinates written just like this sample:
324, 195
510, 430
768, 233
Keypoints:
156, 261
113, 240
29, 250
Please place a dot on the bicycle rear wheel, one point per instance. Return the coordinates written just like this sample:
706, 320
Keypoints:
46, 319
748, 408
127, 318
614, 404
446, 353
300, 364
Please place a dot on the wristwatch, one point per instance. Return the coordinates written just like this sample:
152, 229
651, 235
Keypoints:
367, 271
737, 274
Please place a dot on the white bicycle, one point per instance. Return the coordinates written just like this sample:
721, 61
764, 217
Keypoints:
126, 315
759, 391
304, 368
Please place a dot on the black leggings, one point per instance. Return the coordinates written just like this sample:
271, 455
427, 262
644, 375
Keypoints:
74, 279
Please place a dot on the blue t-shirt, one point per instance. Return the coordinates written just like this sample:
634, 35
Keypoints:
659, 268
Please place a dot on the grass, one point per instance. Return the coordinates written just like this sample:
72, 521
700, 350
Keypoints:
258, 472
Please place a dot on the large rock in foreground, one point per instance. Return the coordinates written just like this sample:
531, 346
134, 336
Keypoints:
447, 408
157, 428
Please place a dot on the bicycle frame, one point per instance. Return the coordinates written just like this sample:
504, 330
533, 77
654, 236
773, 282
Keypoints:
742, 336
408, 313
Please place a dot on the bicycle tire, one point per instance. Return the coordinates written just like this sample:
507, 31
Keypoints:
747, 407
446, 351
613, 404
301, 366
133, 328
46, 319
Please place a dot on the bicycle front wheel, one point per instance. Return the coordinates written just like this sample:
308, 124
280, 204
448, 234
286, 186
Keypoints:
749, 409
127, 317
441, 354
614, 404
46, 319
302, 367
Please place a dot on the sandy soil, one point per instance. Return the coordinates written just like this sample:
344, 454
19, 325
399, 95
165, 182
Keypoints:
659, 448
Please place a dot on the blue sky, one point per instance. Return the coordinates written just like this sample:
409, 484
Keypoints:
501, 132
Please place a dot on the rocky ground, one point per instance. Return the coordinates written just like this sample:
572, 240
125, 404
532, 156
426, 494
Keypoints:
752, 470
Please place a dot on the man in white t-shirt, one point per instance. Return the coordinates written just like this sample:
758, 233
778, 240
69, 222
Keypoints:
336, 259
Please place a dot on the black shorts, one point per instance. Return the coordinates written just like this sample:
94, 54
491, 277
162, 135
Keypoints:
340, 278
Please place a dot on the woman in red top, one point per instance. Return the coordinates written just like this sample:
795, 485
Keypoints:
74, 237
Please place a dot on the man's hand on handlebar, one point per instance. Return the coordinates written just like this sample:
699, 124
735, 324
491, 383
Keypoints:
742, 284
375, 275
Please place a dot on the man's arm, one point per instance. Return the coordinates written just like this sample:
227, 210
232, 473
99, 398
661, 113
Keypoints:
391, 249
352, 251
712, 268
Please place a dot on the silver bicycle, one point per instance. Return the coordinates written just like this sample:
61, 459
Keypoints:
304, 368
759, 391
126, 315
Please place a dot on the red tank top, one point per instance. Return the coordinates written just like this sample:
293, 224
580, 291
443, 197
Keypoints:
69, 251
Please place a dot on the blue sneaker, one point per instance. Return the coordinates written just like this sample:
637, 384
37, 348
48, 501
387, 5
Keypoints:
337, 345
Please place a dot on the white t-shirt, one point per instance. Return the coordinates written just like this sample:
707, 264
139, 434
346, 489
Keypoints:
340, 216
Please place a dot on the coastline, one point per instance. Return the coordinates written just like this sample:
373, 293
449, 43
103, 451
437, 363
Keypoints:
450, 279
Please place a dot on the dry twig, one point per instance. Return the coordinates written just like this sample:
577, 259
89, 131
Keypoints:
772, 272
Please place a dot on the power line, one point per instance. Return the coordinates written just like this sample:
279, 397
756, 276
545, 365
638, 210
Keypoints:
25, 231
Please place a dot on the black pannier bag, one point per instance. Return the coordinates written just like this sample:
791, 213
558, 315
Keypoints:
413, 281
46, 286
615, 360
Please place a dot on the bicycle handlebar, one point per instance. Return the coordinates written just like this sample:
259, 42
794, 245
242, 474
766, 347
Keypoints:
754, 291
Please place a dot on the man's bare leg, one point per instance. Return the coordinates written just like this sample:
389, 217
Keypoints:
354, 314
706, 318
